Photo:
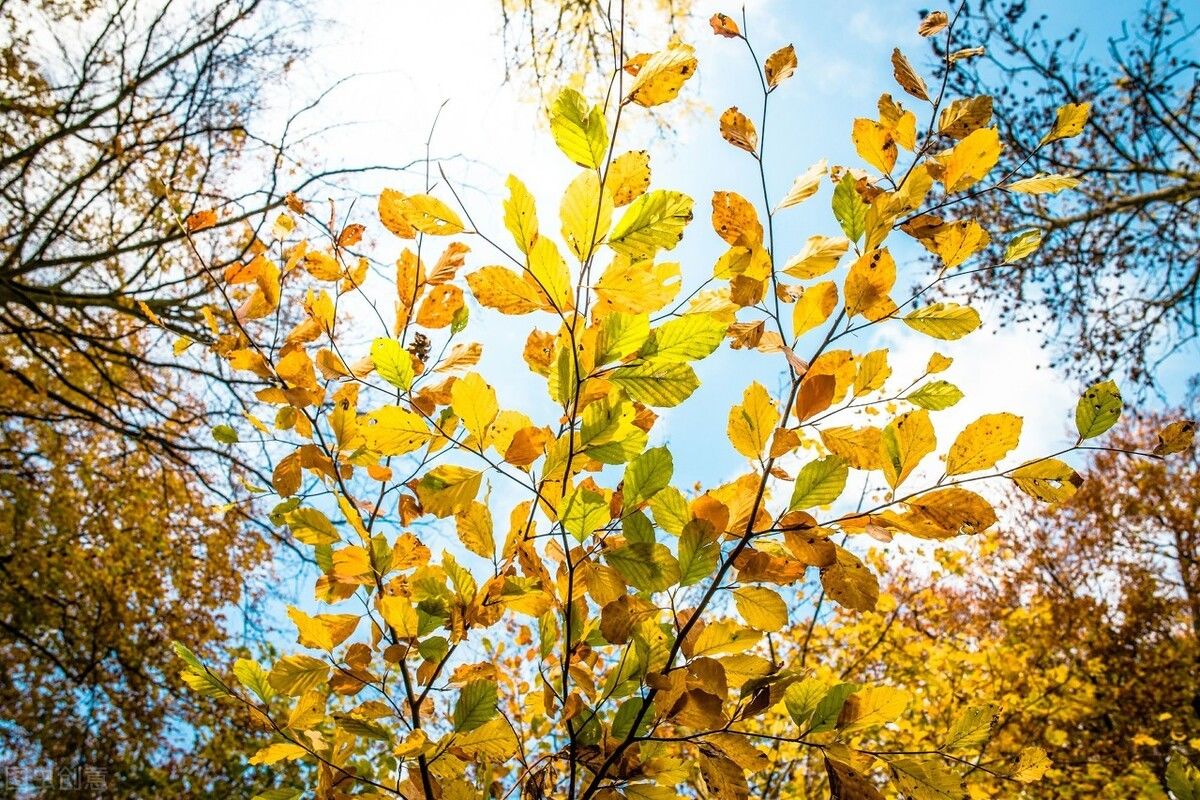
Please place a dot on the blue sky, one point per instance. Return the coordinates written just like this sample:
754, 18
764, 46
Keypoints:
413, 57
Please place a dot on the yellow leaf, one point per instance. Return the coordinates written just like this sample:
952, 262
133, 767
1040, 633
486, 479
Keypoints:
324, 631
1175, 438
938, 363
520, 214
761, 608
861, 448
724, 637
869, 284
279, 751
814, 307
549, 274
636, 287
723, 25
905, 441
873, 371
1049, 480
934, 22
429, 215
944, 513
965, 115
399, 614
391, 214
586, 213
982, 443
907, 77
967, 162
805, 186
957, 241
820, 255
440, 306
735, 220
849, 583
504, 290
874, 144
474, 527
1032, 763
738, 130
448, 489
901, 124
1043, 184
780, 66
752, 423
628, 177
296, 674
661, 77
873, 705
474, 402
947, 321
394, 431
1068, 121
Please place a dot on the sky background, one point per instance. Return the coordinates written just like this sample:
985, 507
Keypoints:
411, 59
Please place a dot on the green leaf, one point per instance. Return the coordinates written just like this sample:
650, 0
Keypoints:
225, 434
393, 363
1022, 245
647, 475
476, 705
824, 716
583, 513
253, 677
943, 320
687, 338
1183, 779
649, 567
819, 483
1098, 409
849, 208
657, 384
801, 699
698, 553
935, 395
654, 221
620, 335
581, 133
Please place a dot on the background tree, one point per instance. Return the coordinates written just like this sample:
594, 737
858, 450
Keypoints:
1120, 286
546, 40
1076, 632
120, 124
107, 553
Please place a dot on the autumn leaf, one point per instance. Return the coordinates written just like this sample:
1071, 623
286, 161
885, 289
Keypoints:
738, 130
780, 66
661, 77
580, 132
983, 443
1068, 122
907, 77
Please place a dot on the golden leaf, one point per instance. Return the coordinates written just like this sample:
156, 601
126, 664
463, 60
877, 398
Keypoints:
982, 443
907, 77
738, 130
780, 66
